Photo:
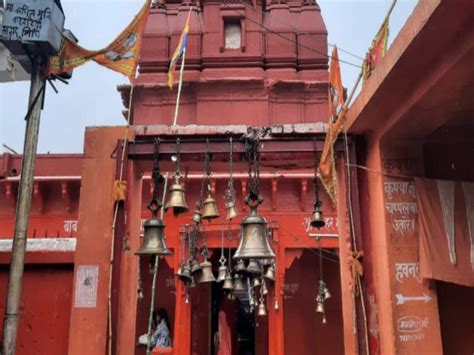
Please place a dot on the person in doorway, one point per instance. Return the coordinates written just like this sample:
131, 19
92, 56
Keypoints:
161, 337
223, 338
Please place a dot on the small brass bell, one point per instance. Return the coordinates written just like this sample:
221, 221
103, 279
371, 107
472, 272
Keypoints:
251, 301
197, 217
222, 273
320, 307
276, 306
185, 275
153, 238
270, 273
210, 208
231, 210
326, 294
324, 321
254, 242
255, 282
264, 289
262, 310
196, 267
254, 267
177, 199
238, 283
317, 219
206, 275
228, 284
191, 283
240, 267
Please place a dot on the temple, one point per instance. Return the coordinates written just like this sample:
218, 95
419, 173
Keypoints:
262, 64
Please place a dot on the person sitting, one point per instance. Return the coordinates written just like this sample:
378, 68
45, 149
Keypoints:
161, 338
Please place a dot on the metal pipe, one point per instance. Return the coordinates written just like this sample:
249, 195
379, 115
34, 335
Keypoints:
10, 322
44, 178
196, 176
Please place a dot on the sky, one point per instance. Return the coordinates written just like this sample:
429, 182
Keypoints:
91, 98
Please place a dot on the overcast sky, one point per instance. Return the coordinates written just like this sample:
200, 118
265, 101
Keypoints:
91, 98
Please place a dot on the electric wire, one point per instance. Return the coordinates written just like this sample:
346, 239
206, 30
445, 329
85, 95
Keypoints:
289, 39
308, 33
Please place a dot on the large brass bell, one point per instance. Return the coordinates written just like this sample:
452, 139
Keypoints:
153, 238
185, 275
177, 199
254, 267
320, 307
206, 275
228, 284
210, 208
196, 267
240, 267
317, 219
254, 243
270, 273
231, 210
262, 310
238, 283
222, 273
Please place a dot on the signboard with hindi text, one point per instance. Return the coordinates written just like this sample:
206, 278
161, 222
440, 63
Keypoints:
32, 27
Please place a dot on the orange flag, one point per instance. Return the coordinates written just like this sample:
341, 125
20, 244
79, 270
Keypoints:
327, 166
377, 50
121, 55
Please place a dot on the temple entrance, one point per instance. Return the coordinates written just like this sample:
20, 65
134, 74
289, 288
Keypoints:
215, 311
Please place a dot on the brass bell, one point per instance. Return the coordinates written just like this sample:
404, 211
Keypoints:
262, 310
154, 238
210, 208
254, 267
240, 266
231, 210
320, 307
180, 271
254, 243
324, 321
317, 219
185, 275
222, 273
196, 267
264, 289
197, 217
191, 283
326, 294
238, 283
206, 275
255, 282
228, 284
251, 301
177, 199
270, 273
276, 306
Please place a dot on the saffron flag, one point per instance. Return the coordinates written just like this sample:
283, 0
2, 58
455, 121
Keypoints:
327, 166
377, 50
121, 55
183, 39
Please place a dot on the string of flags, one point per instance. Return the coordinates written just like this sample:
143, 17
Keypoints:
338, 106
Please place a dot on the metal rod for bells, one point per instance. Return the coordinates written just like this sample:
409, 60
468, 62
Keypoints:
10, 322
155, 272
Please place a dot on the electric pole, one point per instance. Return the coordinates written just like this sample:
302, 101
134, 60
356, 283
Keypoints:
11, 318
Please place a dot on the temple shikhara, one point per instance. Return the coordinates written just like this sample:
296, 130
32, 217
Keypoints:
214, 217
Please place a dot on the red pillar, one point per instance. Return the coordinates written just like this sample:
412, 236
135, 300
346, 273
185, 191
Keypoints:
126, 335
88, 329
345, 255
